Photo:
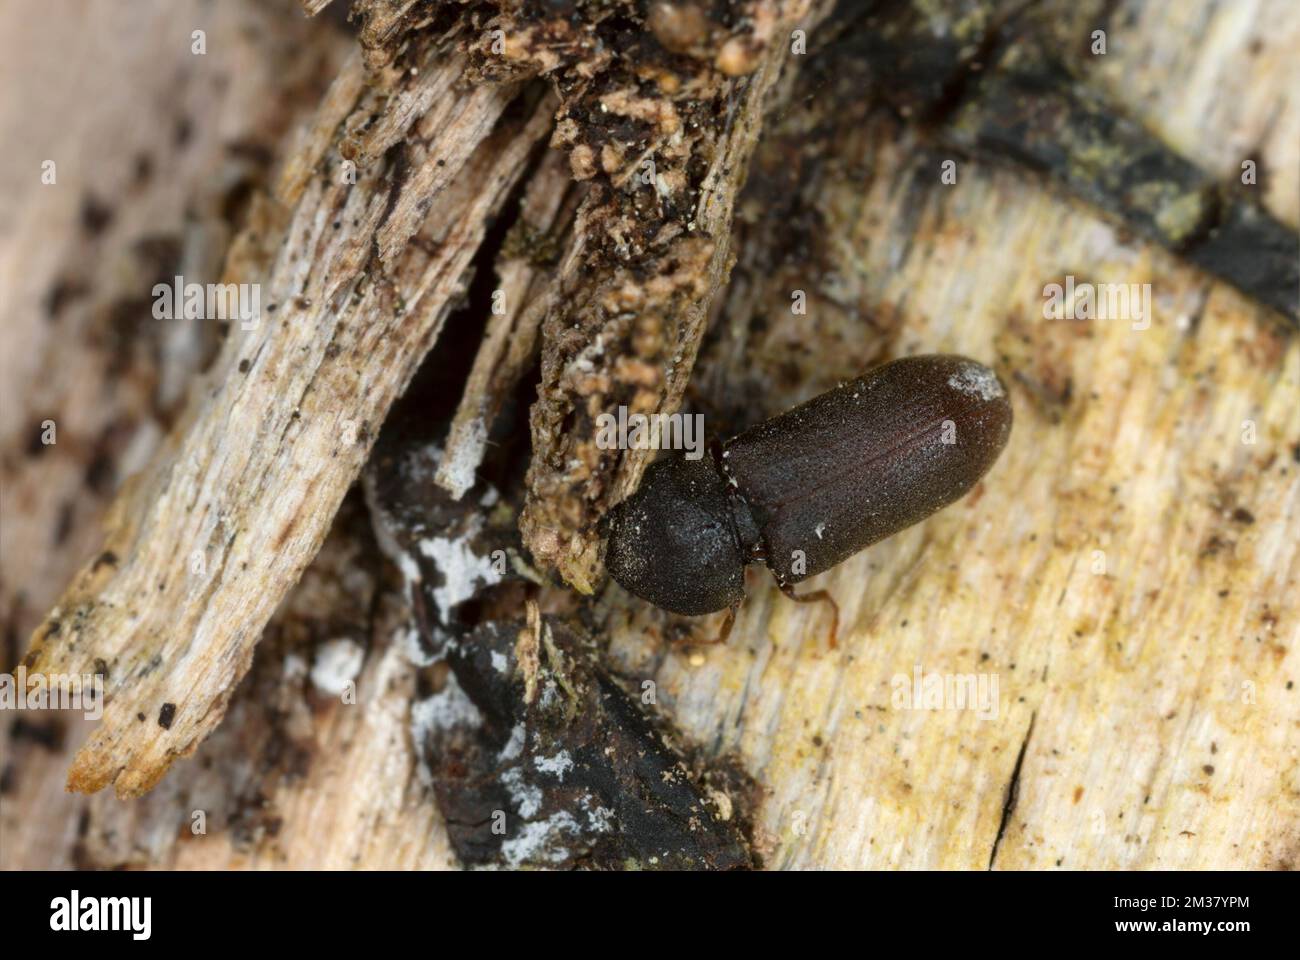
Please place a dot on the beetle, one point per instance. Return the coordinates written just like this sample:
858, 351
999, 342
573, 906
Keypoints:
809, 488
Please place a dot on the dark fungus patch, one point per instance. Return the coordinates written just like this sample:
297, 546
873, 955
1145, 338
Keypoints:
478, 533
166, 714
539, 757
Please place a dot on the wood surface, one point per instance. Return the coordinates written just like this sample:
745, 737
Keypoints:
1127, 573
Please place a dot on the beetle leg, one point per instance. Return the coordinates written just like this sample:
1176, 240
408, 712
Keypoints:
722, 636
728, 623
816, 596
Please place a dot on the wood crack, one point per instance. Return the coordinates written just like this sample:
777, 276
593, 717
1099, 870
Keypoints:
1012, 795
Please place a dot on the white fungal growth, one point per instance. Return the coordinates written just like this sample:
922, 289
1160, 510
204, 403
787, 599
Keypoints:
537, 842
450, 707
557, 765
409, 643
384, 525
515, 745
525, 797
600, 819
337, 664
410, 569
295, 667
550, 694
463, 571
456, 472
977, 381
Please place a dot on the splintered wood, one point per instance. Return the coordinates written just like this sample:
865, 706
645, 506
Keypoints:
651, 250
360, 254
525, 292
201, 550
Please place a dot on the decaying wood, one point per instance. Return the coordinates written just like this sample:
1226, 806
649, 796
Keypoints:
155, 150
199, 554
650, 252
352, 318
527, 291
277, 776
1127, 572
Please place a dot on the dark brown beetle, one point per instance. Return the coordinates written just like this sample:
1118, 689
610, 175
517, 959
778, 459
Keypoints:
810, 488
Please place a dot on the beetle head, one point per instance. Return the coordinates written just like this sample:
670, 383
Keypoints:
674, 541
